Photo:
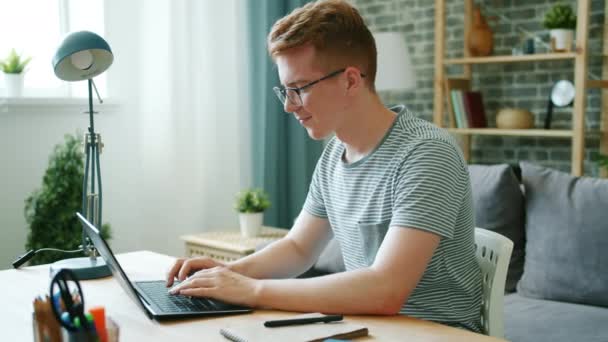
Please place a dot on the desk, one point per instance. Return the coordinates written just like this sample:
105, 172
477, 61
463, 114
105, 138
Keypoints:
19, 287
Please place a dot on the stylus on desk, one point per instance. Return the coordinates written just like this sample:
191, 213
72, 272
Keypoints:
297, 321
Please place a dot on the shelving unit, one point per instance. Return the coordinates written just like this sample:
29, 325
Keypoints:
511, 59
552, 133
581, 83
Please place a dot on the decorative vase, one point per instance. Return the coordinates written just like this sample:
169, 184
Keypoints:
561, 39
480, 37
251, 224
514, 118
14, 84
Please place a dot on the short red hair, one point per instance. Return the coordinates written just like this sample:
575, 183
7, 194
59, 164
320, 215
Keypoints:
335, 29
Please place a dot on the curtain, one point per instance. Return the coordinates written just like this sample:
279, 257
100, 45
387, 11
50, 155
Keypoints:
179, 159
283, 156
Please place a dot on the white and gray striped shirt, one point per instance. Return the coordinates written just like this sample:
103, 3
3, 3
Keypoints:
415, 178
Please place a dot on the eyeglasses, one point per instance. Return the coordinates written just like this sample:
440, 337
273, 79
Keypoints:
294, 94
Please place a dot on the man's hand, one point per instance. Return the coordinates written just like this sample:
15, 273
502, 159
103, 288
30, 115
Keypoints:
220, 283
184, 267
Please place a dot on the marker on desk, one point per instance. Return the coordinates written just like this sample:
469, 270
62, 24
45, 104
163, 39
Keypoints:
99, 315
298, 321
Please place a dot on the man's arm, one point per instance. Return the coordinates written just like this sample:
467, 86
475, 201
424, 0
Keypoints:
379, 289
291, 255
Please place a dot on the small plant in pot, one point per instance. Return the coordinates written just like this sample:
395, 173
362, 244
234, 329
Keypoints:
13, 67
561, 22
250, 204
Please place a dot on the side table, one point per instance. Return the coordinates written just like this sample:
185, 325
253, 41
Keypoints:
228, 245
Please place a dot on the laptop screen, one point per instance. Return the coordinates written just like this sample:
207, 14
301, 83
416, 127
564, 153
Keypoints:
108, 256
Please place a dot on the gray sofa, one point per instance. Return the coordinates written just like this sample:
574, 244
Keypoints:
557, 284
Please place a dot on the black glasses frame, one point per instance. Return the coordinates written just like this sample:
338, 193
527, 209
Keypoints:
282, 92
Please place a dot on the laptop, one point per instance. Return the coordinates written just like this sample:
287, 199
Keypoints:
152, 296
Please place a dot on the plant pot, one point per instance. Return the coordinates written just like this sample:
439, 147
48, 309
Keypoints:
251, 224
561, 39
14, 84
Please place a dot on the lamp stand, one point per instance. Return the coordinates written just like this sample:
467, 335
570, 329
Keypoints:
89, 267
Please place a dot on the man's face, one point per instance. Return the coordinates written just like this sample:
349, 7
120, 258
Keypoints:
322, 103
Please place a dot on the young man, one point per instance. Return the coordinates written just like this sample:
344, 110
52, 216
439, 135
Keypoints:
392, 189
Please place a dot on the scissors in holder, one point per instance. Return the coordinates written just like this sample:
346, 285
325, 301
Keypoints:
67, 302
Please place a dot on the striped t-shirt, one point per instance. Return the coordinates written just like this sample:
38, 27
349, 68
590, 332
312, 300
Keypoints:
417, 178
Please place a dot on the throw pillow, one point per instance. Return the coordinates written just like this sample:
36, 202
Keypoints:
499, 206
566, 237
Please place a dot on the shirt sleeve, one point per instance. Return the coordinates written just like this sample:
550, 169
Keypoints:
429, 188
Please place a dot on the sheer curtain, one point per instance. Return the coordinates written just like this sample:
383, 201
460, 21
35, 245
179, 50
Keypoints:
180, 72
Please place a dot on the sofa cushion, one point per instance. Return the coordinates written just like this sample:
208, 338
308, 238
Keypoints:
499, 206
567, 237
533, 320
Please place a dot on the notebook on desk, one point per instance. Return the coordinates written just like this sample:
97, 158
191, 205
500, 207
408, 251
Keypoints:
152, 296
256, 331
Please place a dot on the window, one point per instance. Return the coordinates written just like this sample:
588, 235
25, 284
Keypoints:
36, 28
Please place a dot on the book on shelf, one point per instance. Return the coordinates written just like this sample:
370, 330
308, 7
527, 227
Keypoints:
473, 104
451, 84
458, 108
468, 109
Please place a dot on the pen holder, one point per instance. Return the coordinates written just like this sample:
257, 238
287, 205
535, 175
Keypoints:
112, 329
49, 330
90, 335
79, 335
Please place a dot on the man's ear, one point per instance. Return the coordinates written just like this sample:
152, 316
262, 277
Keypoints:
353, 78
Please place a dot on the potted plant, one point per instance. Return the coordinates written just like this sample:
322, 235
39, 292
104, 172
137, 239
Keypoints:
251, 204
51, 210
561, 22
13, 67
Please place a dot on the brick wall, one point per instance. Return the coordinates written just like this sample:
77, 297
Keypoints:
525, 85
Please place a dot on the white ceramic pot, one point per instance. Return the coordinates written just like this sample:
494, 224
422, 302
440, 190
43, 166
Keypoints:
14, 84
251, 224
561, 39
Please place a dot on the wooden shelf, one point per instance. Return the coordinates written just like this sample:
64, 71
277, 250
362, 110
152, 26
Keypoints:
579, 57
552, 133
511, 59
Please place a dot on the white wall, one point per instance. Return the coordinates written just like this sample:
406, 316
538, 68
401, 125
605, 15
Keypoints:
175, 129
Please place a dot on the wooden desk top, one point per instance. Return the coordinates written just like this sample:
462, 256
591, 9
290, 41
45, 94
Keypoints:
19, 287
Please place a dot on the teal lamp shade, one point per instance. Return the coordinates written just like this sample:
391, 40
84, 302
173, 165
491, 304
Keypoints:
82, 55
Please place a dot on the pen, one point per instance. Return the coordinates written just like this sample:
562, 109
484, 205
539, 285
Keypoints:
297, 321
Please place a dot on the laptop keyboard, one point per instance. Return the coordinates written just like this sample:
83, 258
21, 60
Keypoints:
158, 293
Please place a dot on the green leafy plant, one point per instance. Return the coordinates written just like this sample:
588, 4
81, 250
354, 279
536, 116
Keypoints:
51, 211
14, 63
560, 16
252, 201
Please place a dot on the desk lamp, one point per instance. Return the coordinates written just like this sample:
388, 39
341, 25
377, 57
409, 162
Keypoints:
81, 56
562, 95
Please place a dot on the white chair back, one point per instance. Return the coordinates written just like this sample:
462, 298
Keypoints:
493, 253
